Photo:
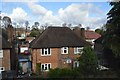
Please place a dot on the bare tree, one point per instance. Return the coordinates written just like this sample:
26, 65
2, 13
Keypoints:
64, 25
26, 25
36, 24
6, 21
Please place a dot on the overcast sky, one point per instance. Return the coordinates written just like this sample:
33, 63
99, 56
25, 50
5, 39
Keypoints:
92, 14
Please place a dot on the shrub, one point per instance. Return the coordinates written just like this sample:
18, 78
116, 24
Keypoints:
60, 73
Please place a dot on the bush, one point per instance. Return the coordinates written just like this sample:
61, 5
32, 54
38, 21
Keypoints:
62, 73
38, 69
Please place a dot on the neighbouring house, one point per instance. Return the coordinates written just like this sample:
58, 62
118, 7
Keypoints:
21, 32
89, 35
57, 47
99, 50
29, 39
5, 54
105, 55
24, 58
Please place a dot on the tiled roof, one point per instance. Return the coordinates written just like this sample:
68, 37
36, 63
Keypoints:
91, 35
54, 37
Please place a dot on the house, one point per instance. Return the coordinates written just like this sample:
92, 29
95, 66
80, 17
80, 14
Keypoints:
89, 35
29, 39
57, 47
21, 32
5, 54
105, 55
24, 58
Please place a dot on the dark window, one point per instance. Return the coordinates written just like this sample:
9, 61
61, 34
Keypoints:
42, 67
45, 51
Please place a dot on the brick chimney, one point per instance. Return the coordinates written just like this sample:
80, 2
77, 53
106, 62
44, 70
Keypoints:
80, 32
83, 32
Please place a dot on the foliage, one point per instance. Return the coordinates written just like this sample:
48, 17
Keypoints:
101, 30
38, 68
112, 35
34, 32
60, 73
88, 61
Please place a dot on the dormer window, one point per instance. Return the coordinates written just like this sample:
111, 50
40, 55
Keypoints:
64, 50
45, 52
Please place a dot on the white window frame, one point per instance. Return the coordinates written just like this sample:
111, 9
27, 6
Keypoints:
68, 61
2, 69
1, 53
63, 50
45, 65
44, 50
76, 50
78, 64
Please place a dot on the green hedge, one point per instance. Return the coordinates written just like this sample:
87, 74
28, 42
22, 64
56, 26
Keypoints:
62, 73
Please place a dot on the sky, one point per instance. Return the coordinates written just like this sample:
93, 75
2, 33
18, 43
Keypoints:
90, 14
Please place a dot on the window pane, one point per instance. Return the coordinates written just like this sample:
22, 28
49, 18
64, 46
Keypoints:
48, 50
45, 52
79, 50
45, 66
65, 51
1, 53
48, 66
42, 67
42, 51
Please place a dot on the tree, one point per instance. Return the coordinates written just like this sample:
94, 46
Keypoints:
99, 31
34, 32
112, 39
36, 24
6, 21
26, 25
88, 61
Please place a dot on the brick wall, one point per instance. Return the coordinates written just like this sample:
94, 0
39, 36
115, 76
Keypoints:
56, 59
6, 59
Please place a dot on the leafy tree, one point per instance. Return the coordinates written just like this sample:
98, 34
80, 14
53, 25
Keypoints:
34, 32
101, 30
88, 62
112, 35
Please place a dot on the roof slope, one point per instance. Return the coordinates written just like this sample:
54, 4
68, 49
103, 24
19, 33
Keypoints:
91, 35
54, 37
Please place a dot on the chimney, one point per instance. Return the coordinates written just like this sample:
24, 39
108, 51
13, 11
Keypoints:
80, 32
83, 32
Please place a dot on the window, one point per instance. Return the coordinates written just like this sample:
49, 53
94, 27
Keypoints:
64, 50
76, 64
1, 53
2, 69
78, 50
45, 67
45, 52
22, 49
68, 61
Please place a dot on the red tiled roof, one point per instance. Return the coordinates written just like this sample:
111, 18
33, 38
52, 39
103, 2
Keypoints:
91, 34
